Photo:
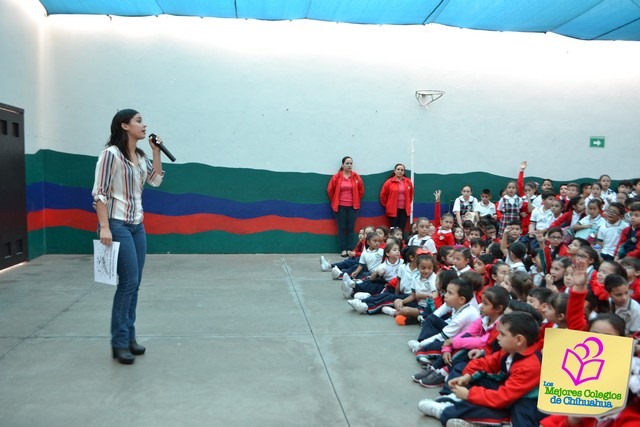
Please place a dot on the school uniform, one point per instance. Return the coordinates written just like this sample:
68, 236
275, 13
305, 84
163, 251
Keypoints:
634, 289
610, 236
590, 233
426, 243
507, 382
486, 210
629, 244
426, 287
464, 206
630, 313
443, 238
542, 217
388, 295
510, 208
435, 330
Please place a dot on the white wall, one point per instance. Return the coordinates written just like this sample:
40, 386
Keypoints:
20, 33
297, 96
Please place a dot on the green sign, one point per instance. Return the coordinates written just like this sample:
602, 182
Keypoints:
596, 142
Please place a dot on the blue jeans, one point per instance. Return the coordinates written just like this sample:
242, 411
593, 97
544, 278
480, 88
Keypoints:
133, 248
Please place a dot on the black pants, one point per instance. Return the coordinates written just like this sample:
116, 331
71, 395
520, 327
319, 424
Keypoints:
346, 220
400, 220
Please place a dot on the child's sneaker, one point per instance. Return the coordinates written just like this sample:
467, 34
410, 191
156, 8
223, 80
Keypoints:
423, 360
432, 408
336, 273
451, 397
346, 290
457, 422
324, 264
414, 345
434, 379
361, 295
348, 280
425, 372
358, 306
390, 311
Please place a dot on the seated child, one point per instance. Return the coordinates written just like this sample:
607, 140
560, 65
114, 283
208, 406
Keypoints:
349, 264
507, 380
420, 300
627, 308
629, 244
422, 238
444, 234
443, 277
384, 301
454, 350
457, 305
372, 261
632, 265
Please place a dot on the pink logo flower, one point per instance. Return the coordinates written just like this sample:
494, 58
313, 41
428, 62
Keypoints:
581, 363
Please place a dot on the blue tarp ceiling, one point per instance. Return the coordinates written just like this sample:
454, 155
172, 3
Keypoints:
581, 19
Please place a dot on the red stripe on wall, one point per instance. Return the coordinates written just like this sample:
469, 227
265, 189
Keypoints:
192, 224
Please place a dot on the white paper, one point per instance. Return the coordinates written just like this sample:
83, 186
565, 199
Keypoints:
105, 262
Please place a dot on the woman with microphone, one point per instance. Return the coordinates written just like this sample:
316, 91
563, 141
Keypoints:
121, 173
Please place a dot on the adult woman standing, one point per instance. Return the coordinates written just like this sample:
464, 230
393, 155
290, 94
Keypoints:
396, 197
121, 172
345, 191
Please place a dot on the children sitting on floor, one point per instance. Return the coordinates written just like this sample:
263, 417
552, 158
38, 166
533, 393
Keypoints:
435, 330
503, 386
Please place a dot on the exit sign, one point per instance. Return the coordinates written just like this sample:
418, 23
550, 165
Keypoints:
596, 142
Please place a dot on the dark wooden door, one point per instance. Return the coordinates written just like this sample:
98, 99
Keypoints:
13, 201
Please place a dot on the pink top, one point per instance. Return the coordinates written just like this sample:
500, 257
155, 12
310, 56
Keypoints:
346, 192
402, 201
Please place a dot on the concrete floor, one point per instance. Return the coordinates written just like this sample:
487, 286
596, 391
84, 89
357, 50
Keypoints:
232, 340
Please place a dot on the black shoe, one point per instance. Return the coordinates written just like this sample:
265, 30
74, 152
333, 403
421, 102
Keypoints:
136, 349
123, 355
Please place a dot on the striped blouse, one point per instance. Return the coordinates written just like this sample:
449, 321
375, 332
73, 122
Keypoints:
119, 183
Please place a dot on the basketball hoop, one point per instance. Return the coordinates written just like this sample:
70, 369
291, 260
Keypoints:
427, 96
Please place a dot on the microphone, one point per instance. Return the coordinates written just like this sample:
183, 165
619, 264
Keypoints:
166, 152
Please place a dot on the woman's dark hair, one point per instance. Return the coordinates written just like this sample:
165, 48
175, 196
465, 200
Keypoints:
344, 159
393, 172
119, 136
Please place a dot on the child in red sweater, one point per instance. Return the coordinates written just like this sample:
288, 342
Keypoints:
507, 380
632, 265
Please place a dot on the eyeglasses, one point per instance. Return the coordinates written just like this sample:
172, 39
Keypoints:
583, 256
555, 237
612, 212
